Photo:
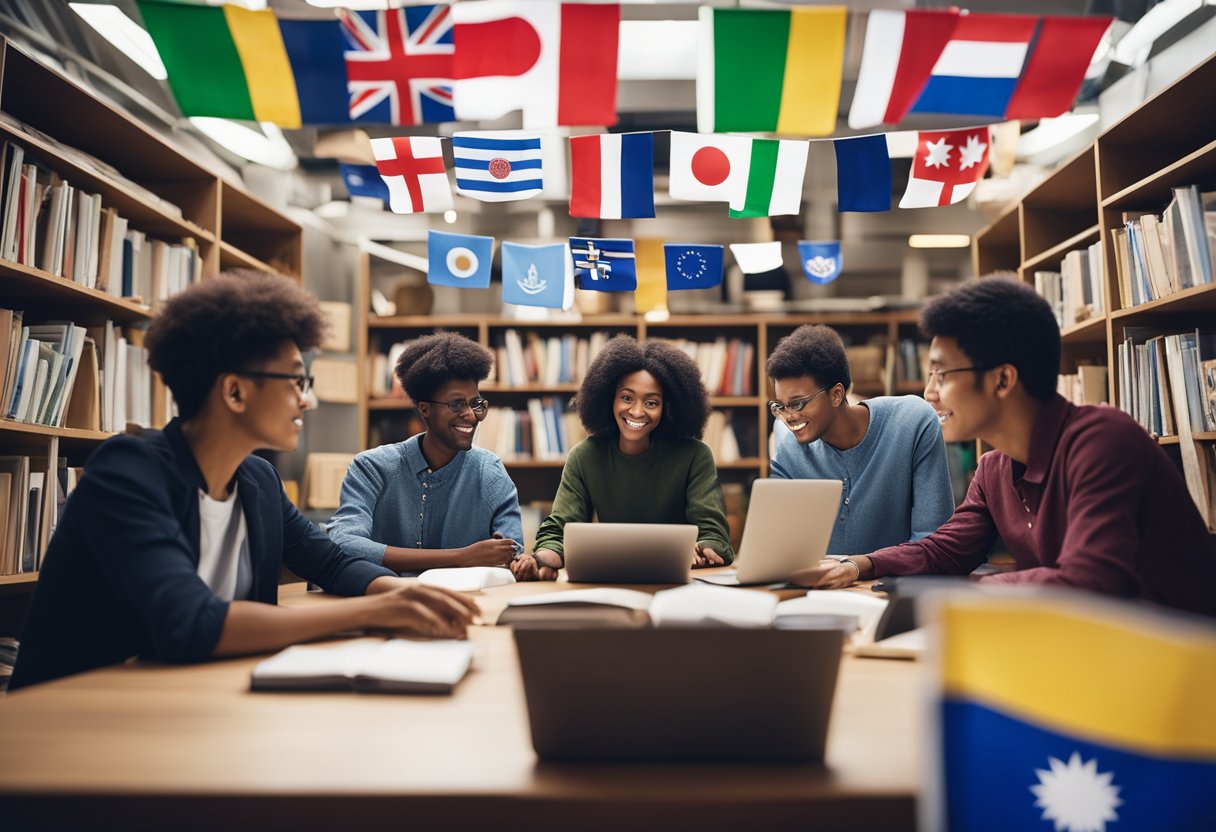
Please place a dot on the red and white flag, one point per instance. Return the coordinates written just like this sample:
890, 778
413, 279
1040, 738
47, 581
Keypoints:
412, 167
946, 166
554, 61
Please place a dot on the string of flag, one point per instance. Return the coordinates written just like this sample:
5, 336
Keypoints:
758, 70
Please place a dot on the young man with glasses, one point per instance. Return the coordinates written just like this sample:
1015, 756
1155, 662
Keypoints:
1082, 496
886, 451
433, 500
171, 545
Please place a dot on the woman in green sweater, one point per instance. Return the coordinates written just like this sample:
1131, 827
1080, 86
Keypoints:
644, 408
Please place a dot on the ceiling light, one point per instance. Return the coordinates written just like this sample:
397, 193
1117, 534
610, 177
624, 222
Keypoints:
939, 241
127, 36
266, 146
449, 216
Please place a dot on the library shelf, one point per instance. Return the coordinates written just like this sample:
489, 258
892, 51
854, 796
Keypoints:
25, 285
1188, 301
1195, 166
1055, 254
10, 428
1091, 330
20, 578
232, 257
1174, 439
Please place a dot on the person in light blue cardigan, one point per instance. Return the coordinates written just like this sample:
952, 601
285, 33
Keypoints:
887, 451
433, 500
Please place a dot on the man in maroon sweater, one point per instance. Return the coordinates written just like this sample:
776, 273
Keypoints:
1082, 496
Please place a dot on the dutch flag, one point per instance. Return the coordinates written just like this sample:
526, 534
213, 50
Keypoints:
497, 167
612, 176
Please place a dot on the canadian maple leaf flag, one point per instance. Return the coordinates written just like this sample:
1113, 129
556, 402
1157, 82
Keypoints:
554, 61
946, 166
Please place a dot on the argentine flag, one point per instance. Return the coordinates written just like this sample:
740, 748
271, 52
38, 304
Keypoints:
497, 166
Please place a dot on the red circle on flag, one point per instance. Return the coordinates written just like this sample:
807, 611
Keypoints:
710, 166
500, 168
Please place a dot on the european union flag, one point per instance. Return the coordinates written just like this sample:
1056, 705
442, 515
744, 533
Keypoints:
364, 180
1073, 711
604, 265
692, 266
537, 276
821, 262
458, 260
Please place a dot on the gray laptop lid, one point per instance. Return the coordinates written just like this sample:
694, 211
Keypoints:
628, 553
678, 694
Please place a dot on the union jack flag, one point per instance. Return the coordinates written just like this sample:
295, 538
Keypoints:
399, 64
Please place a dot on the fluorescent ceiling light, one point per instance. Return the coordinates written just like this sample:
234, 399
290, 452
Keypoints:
266, 147
127, 36
939, 241
1054, 131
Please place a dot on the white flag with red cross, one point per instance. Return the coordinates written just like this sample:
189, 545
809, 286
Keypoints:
412, 167
946, 166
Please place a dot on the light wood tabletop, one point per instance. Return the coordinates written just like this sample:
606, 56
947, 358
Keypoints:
178, 747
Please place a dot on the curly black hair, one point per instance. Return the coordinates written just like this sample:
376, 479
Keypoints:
429, 362
236, 320
685, 399
815, 351
997, 321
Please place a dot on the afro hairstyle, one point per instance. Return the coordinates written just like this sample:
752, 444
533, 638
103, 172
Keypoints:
429, 362
236, 320
685, 400
814, 351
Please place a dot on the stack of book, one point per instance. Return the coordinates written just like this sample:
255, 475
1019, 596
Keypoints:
551, 361
1076, 292
30, 508
1086, 386
1156, 256
545, 430
727, 365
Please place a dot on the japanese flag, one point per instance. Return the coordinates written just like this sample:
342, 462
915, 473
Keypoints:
709, 168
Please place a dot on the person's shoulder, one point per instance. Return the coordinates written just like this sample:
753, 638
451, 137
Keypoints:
485, 462
1101, 428
260, 470
589, 446
146, 448
911, 408
688, 447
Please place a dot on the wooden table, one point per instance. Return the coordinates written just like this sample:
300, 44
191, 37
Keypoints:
143, 746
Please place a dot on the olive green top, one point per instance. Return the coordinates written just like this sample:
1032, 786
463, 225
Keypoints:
675, 481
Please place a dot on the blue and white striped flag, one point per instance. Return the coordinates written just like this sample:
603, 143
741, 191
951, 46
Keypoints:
497, 166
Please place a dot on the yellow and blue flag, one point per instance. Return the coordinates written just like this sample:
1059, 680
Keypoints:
1078, 715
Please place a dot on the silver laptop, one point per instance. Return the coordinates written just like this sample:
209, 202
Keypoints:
629, 553
789, 525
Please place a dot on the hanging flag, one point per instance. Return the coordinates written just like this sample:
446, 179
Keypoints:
604, 265
979, 68
1063, 48
613, 176
821, 262
755, 258
458, 259
692, 266
364, 180
497, 166
863, 173
230, 62
412, 167
899, 53
399, 64
946, 166
555, 61
537, 275
757, 177
776, 71
1069, 710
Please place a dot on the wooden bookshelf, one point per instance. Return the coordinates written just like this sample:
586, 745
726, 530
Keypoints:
1168, 142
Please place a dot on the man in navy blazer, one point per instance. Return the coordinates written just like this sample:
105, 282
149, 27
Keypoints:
169, 548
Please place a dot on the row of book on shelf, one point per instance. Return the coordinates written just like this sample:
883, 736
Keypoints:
32, 496
1077, 291
47, 223
1158, 255
1088, 385
60, 374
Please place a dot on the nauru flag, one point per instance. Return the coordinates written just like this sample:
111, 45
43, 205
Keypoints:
612, 176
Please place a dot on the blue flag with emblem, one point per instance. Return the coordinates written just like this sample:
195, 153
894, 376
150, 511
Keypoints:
604, 265
821, 262
692, 266
537, 275
497, 166
458, 260
364, 180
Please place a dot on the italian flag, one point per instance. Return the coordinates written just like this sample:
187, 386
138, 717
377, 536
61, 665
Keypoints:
770, 71
757, 177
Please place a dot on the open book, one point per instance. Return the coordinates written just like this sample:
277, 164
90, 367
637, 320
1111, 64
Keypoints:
467, 578
393, 666
697, 605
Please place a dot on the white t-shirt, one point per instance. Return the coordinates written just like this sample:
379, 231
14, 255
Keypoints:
223, 561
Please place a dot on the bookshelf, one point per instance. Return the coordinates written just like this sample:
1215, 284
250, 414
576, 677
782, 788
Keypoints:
1133, 166
162, 192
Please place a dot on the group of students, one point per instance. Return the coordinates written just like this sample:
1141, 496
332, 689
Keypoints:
171, 545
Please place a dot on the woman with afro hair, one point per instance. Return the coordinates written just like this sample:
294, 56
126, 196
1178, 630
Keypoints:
644, 407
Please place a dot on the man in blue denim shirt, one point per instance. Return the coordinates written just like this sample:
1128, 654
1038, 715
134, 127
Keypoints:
433, 500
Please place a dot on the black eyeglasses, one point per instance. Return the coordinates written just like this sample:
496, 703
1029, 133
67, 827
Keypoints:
302, 380
778, 409
938, 375
479, 406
